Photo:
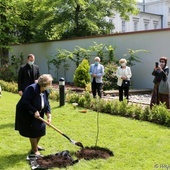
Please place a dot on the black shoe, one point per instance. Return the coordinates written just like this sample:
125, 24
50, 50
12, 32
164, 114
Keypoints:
40, 148
32, 153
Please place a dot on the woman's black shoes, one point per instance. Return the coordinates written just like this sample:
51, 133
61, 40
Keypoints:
40, 148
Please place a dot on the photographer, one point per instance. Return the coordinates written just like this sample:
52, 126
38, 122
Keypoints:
160, 72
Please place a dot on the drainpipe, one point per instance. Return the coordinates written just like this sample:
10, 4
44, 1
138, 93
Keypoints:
143, 5
161, 21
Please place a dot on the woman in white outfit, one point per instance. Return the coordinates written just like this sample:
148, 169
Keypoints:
123, 74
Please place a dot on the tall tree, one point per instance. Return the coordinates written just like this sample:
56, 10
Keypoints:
72, 18
9, 22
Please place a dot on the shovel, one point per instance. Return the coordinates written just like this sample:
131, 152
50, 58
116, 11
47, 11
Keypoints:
72, 141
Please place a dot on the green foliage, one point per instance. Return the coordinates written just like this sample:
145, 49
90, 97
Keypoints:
57, 19
78, 54
9, 86
81, 101
109, 78
133, 56
13, 87
9, 72
54, 95
88, 87
82, 18
88, 99
72, 97
81, 75
104, 51
159, 114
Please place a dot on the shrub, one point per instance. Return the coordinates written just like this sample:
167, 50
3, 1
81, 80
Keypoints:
159, 114
82, 76
81, 101
138, 110
115, 107
72, 97
109, 78
9, 86
108, 107
123, 108
145, 114
88, 99
54, 95
88, 87
7, 73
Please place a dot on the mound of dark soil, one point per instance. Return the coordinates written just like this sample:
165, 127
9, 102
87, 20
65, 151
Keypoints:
63, 159
60, 160
94, 152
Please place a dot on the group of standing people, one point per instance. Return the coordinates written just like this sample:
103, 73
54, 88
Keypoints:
123, 74
34, 91
34, 103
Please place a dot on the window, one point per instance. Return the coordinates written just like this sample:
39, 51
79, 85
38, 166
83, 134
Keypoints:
146, 26
123, 26
135, 25
155, 24
111, 20
168, 24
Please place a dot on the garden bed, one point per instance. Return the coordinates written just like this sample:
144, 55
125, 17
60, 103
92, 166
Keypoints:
64, 159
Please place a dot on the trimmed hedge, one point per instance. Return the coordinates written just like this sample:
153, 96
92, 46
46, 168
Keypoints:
159, 114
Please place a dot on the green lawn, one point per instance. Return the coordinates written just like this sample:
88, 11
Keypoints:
136, 145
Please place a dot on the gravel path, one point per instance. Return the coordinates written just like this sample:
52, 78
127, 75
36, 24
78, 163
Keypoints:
136, 98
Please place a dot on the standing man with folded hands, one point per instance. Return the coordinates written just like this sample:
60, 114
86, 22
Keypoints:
28, 74
96, 72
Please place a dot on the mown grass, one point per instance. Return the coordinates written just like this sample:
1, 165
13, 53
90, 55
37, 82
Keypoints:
136, 145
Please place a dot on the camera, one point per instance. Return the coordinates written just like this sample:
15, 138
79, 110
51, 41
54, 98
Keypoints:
156, 64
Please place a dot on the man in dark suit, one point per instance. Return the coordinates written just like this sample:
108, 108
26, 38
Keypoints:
28, 74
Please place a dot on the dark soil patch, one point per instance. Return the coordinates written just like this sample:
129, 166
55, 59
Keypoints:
69, 86
95, 152
60, 160
63, 159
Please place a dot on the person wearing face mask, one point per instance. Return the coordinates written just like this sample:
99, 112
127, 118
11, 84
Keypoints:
96, 72
123, 74
33, 104
28, 74
160, 72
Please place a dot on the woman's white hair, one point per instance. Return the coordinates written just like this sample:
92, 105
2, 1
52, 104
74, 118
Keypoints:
45, 80
97, 59
123, 60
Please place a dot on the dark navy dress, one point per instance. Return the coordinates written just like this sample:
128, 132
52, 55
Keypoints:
30, 102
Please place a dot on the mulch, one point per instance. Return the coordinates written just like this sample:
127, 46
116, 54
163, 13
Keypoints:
94, 152
69, 86
64, 159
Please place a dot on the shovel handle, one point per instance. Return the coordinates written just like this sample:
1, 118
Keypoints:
43, 120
